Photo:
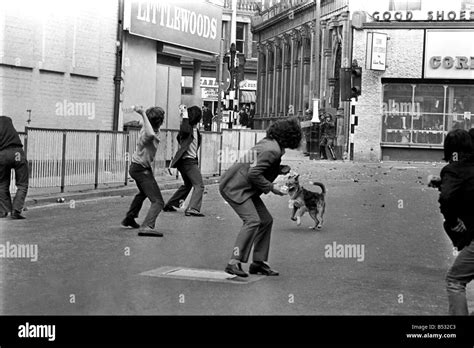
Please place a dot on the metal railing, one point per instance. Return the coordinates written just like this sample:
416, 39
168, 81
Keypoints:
63, 158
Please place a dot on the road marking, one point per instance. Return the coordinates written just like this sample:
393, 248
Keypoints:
208, 275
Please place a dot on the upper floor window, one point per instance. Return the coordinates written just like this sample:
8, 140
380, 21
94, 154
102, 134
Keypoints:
405, 5
240, 37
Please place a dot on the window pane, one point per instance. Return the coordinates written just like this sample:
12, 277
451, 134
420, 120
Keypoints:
240, 31
239, 45
404, 5
397, 111
460, 107
428, 121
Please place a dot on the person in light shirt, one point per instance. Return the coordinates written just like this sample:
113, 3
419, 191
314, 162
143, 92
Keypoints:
141, 170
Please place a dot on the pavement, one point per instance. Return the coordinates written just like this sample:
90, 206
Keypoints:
88, 265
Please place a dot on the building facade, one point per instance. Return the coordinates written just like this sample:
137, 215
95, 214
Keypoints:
417, 80
301, 51
57, 63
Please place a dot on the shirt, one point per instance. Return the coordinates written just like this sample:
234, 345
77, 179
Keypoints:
193, 147
146, 149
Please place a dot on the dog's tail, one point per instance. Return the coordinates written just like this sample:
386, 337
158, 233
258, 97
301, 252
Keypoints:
323, 188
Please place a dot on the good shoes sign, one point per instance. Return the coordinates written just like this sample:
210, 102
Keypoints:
192, 24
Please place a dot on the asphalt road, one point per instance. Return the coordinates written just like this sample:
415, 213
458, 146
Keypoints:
88, 264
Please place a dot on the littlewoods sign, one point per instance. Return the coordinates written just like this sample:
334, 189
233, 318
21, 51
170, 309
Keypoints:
192, 24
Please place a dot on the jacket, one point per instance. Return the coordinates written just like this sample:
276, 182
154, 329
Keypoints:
457, 200
254, 173
185, 138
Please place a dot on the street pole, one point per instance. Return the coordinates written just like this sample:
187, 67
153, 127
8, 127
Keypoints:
219, 87
316, 76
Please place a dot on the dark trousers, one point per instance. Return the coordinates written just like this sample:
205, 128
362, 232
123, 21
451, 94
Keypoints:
256, 229
13, 158
148, 188
327, 148
189, 169
459, 275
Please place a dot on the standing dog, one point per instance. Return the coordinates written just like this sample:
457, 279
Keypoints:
302, 201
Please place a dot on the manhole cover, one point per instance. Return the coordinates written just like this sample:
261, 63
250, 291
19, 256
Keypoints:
199, 274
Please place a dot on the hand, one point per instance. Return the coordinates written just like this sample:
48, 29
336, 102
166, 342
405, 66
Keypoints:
276, 191
138, 109
460, 227
285, 169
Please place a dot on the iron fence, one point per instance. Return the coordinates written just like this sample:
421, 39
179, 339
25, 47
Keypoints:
63, 158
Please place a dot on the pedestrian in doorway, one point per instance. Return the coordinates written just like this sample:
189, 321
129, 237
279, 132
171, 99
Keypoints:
13, 157
243, 117
457, 206
328, 134
141, 170
186, 161
243, 184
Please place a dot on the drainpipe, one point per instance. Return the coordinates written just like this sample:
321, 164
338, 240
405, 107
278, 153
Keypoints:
118, 66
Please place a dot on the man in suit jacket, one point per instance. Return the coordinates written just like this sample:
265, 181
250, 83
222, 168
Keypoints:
242, 185
187, 162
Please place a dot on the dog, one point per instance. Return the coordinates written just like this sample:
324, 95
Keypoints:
302, 201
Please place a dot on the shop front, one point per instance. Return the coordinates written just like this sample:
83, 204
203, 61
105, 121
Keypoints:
158, 35
424, 90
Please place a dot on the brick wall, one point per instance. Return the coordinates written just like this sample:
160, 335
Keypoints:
404, 60
57, 58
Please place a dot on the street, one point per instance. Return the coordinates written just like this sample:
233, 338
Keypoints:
88, 264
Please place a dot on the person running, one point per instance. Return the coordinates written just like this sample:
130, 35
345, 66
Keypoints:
13, 157
243, 184
186, 161
141, 170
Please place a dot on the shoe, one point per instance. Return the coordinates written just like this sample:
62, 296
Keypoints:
193, 212
262, 268
149, 232
17, 216
236, 270
130, 222
169, 208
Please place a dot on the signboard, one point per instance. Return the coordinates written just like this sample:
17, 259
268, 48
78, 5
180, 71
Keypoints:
431, 16
376, 51
192, 24
249, 85
448, 54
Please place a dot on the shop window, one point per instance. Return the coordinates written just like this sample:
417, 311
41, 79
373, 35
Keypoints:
240, 37
422, 114
405, 5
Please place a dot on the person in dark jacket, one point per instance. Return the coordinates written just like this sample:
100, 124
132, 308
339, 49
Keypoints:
13, 157
207, 118
457, 206
186, 161
242, 185
328, 134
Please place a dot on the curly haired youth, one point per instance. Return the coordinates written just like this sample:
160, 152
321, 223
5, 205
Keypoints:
287, 133
194, 115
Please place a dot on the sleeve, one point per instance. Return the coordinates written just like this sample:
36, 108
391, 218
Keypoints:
264, 161
451, 185
185, 129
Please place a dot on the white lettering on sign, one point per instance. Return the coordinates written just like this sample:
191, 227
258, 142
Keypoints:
177, 18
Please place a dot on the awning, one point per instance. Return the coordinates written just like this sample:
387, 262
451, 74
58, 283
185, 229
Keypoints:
247, 97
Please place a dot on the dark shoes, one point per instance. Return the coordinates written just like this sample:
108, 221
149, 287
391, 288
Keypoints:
261, 268
169, 208
130, 222
149, 232
236, 270
17, 216
193, 212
